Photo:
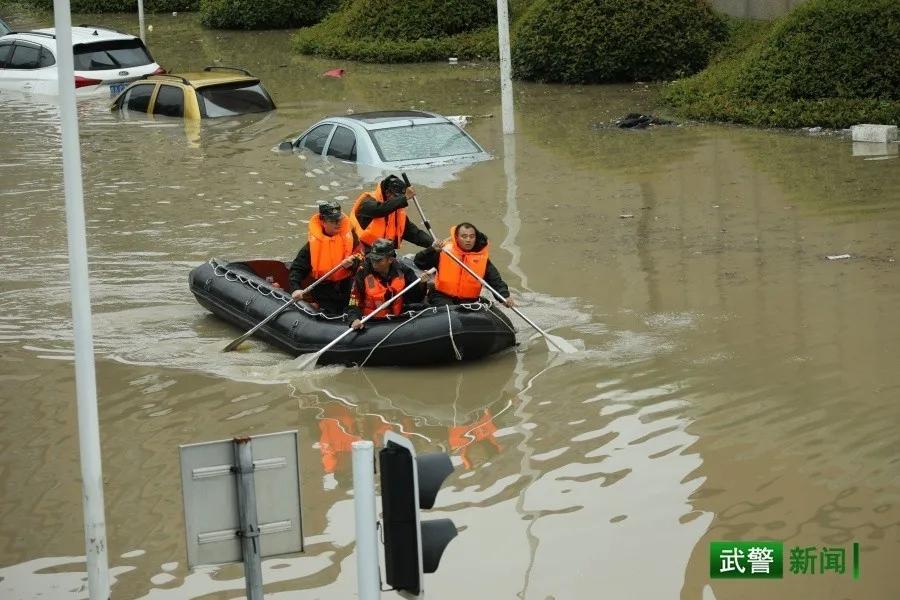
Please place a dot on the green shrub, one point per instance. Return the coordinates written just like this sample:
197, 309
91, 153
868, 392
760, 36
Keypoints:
109, 6
387, 31
593, 41
263, 14
828, 63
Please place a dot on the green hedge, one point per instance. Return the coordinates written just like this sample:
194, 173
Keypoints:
593, 41
128, 6
263, 14
404, 31
828, 63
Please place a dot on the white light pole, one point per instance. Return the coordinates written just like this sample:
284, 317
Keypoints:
368, 579
141, 18
85, 378
506, 91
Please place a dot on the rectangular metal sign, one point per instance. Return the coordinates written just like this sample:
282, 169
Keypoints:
209, 491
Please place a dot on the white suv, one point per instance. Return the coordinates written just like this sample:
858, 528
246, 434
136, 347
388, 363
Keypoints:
105, 61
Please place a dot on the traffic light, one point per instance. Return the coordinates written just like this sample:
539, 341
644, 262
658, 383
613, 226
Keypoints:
412, 547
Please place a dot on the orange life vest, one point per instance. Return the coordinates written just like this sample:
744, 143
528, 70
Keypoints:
464, 436
377, 293
325, 251
454, 281
336, 438
390, 227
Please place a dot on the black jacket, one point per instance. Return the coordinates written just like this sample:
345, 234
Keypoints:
358, 295
428, 258
370, 209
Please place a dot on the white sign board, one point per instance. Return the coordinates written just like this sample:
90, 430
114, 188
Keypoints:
209, 489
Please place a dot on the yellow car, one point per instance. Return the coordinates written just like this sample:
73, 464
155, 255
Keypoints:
213, 92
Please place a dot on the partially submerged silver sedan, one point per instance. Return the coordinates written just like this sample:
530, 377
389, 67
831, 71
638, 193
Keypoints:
390, 141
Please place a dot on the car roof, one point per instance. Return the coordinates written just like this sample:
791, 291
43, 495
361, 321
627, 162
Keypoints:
205, 78
386, 119
80, 35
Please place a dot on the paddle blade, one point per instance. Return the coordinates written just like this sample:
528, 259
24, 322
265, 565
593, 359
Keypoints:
558, 344
234, 344
307, 362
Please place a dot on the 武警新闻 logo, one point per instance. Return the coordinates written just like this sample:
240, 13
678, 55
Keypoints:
764, 559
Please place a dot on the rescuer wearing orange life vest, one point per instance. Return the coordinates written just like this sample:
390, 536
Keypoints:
330, 241
453, 284
379, 279
381, 213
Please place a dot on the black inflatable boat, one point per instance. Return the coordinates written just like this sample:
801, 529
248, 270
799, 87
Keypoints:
244, 293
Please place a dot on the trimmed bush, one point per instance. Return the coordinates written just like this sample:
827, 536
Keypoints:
387, 31
263, 14
128, 6
828, 63
594, 41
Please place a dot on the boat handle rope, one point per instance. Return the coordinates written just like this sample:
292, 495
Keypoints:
390, 333
220, 270
223, 271
490, 310
450, 329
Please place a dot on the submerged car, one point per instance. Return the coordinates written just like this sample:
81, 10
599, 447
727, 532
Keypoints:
214, 92
390, 140
105, 61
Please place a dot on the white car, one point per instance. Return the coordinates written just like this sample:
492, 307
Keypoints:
105, 61
390, 141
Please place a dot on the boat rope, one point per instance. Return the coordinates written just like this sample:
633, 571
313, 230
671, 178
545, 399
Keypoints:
452, 341
490, 309
260, 286
391, 332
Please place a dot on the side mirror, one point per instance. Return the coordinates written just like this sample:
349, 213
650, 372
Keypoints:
285, 146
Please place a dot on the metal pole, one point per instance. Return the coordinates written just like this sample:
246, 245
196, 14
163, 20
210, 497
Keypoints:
249, 531
506, 90
367, 565
512, 219
85, 377
141, 18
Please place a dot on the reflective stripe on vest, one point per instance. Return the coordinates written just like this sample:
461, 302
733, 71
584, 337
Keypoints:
454, 281
377, 293
390, 227
326, 251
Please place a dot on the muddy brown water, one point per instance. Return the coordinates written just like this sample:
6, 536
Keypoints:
735, 383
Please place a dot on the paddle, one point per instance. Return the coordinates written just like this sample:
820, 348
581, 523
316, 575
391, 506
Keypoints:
311, 359
553, 341
237, 342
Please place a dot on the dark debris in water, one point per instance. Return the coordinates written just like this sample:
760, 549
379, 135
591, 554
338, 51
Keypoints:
639, 121
635, 121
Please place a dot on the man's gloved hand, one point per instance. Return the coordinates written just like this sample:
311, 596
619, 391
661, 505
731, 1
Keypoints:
352, 261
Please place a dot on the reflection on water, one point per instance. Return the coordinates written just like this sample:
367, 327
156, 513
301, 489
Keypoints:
733, 382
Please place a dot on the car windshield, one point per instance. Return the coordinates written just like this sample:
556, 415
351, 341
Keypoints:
4, 28
234, 99
111, 54
412, 142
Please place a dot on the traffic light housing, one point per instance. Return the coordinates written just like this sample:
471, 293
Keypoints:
412, 547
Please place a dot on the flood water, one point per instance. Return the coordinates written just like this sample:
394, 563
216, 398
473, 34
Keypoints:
735, 383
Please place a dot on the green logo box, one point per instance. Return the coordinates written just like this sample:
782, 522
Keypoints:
754, 559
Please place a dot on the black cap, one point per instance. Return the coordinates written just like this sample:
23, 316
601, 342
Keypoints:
330, 211
393, 185
382, 248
